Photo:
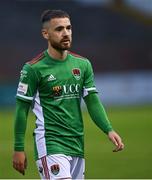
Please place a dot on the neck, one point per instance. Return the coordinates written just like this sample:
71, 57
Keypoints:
57, 54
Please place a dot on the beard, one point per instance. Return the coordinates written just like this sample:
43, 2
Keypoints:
63, 45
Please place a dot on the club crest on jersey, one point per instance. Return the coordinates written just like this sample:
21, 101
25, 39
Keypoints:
55, 169
76, 73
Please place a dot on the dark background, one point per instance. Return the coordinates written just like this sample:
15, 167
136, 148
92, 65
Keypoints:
115, 37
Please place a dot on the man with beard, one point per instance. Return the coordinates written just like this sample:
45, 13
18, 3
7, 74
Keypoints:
54, 83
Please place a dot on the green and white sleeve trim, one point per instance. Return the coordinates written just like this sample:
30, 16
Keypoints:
87, 90
24, 97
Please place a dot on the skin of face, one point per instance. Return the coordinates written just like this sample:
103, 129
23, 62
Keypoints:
58, 33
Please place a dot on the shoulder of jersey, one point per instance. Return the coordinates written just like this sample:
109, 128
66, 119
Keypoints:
77, 56
36, 59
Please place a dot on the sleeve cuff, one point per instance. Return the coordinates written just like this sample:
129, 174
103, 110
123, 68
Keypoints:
87, 91
18, 148
27, 99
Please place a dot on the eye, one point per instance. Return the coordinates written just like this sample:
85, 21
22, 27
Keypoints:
59, 28
69, 27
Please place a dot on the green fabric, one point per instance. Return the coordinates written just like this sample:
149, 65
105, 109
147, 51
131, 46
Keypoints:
21, 114
97, 112
55, 89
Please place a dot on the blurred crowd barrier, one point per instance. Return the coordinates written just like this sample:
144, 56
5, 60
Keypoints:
125, 88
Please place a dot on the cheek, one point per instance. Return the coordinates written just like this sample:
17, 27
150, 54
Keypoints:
54, 37
71, 34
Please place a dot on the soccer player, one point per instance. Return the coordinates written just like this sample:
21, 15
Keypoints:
53, 84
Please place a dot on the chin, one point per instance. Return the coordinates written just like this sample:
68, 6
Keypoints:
66, 47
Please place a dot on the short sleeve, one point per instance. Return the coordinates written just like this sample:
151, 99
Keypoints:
28, 84
89, 85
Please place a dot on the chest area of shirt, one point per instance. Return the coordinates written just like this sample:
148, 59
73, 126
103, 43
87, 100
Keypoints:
62, 82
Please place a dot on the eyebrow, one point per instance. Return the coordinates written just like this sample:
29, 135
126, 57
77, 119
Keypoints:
61, 27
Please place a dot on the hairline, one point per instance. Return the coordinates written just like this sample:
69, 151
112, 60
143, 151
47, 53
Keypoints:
44, 24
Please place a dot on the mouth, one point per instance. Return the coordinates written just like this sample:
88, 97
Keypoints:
65, 41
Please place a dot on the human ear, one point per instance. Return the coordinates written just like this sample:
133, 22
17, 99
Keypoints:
45, 34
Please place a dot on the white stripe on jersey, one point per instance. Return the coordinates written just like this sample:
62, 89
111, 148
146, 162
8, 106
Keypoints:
86, 90
24, 97
90, 89
39, 131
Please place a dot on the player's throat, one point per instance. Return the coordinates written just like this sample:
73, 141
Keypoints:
59, 56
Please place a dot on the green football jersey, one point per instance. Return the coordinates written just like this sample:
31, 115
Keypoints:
55, 88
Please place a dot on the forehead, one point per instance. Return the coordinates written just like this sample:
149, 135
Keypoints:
55, 22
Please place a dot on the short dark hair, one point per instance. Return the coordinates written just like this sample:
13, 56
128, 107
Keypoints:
47, 15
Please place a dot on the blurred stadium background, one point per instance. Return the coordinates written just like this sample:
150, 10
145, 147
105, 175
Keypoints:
116, 35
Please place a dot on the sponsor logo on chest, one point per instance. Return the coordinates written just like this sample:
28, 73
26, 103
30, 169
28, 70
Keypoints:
68, 90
